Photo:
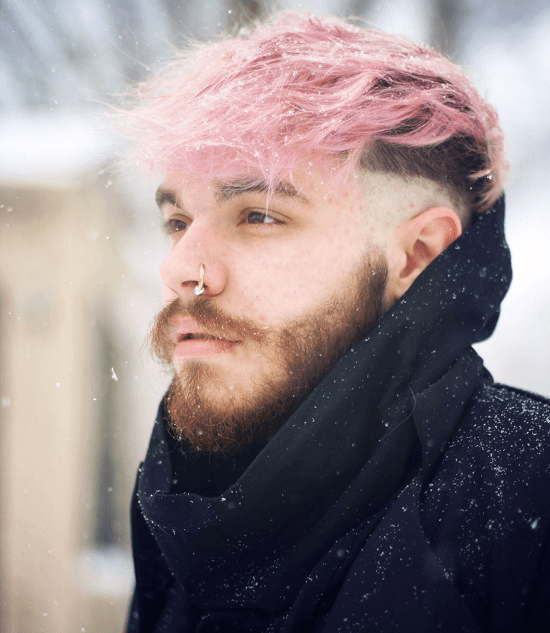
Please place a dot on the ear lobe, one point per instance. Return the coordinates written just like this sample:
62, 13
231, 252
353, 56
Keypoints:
419, 241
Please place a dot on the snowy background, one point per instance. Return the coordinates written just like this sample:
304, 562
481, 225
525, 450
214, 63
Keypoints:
58, 61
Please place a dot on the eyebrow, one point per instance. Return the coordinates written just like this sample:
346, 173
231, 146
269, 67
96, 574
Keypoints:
166, 195
228, 190
231, 189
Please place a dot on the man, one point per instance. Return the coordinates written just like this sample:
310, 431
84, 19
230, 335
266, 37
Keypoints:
332, 455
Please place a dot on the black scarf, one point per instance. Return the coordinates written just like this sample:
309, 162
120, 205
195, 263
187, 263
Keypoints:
251, 546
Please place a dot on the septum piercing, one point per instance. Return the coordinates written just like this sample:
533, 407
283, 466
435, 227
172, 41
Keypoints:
199, 288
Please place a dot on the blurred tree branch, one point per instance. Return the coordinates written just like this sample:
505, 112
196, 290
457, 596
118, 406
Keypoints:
447, 17
240, 12
356, 8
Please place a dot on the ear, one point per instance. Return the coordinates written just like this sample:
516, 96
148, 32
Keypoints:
417, 242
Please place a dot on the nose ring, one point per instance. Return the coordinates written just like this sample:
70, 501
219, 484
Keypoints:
199, 288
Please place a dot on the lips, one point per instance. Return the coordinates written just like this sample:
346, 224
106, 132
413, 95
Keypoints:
204, 346
186, 328
191, 342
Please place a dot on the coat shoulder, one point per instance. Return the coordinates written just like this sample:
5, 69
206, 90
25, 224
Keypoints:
499, 457
508, 420
514, 399
486, 508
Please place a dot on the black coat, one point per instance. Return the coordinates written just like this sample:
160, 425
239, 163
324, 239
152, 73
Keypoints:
407, 493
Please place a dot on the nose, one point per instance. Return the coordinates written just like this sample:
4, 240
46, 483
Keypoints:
194, 263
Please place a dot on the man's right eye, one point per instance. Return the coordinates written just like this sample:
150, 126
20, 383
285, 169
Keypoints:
174, 225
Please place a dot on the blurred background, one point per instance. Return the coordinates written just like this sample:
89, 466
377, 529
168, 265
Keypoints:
81, 247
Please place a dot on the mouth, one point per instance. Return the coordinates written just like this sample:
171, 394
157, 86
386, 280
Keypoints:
190, 342
191, 345
192, 336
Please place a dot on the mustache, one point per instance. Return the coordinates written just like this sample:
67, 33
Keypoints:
211, 319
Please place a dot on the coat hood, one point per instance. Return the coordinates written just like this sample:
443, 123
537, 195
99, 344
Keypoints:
326, 476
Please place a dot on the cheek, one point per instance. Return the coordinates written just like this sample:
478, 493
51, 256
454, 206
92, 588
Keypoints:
294, 281
276, 281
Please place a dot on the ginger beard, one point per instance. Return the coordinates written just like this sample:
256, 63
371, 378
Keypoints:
206, 412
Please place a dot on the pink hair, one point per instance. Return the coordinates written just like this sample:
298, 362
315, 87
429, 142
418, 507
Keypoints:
302, 89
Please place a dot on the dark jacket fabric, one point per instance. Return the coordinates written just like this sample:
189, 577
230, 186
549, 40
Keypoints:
408, 493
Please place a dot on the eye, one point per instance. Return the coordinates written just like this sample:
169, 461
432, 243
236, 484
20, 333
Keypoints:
174, 225
255, 216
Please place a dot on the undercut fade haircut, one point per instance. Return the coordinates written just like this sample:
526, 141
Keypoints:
299, 90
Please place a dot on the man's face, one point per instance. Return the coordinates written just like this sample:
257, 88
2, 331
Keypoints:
292, 280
